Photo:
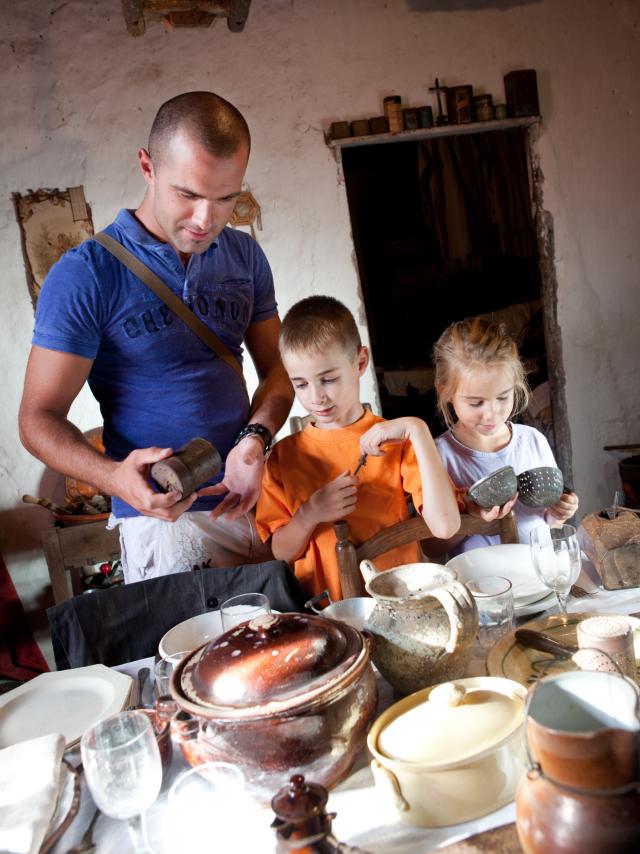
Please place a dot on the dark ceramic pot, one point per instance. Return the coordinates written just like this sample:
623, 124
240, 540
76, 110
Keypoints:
581, 794
280, 695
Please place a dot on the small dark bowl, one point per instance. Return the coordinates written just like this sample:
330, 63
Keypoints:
540, 487
495, 489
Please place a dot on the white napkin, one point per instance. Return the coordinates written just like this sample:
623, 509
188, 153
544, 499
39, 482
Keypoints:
607, 602
30, 774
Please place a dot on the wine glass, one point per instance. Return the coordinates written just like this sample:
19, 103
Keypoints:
123, 770
244, 607
555, 553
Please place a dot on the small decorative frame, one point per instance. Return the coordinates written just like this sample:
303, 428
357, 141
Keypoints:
246, 212
51, 222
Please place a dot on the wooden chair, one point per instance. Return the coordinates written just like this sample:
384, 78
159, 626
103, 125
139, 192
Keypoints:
401, 534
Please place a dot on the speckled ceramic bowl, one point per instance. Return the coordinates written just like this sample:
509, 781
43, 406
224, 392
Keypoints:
540, 487
495, 489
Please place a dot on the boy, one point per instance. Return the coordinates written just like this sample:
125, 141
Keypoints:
308, 485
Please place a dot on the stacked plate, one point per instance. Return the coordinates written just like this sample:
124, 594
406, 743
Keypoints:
65, 701
530, 596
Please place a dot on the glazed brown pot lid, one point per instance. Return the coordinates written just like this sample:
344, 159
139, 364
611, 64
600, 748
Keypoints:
274, 661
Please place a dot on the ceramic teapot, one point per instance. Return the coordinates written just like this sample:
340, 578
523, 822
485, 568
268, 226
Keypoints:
424, 624
581, 794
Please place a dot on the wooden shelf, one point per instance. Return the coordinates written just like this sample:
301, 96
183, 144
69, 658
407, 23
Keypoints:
432, 133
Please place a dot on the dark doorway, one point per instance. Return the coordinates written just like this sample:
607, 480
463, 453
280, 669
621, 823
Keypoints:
443, 229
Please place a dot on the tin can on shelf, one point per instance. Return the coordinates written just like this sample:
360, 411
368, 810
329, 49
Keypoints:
339, 130
460, 104
483, 106
501, 111
410, 118
394, 115
379, 124
360, 127
425, 117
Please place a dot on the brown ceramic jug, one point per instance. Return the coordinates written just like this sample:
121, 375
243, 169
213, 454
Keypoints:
581, 794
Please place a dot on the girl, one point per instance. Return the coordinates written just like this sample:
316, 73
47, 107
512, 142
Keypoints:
481, 385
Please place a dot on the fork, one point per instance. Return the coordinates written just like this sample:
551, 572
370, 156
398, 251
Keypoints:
86, 844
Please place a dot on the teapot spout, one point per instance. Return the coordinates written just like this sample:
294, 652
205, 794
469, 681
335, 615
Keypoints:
368, 570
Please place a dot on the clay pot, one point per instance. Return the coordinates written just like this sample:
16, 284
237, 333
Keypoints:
283, 694
581, 794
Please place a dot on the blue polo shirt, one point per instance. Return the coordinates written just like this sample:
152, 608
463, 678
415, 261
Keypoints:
157, 384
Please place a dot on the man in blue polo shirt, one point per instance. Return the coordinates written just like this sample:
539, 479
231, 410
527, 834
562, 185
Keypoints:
158, 385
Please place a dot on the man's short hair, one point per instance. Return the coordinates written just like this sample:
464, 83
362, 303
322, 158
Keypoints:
208, 119
317, 323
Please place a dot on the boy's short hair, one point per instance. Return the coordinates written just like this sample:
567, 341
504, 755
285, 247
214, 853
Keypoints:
316, 323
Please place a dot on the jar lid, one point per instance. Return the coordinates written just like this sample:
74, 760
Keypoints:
299, 801
455, 721
270, 664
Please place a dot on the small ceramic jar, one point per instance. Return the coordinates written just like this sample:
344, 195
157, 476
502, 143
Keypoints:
613, 636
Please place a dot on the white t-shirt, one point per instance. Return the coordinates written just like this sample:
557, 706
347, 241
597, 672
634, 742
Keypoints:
527, 449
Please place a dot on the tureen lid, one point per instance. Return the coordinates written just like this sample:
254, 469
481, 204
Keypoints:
270, 663
455, 721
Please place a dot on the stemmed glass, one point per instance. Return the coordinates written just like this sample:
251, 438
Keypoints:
555, 553
123, 770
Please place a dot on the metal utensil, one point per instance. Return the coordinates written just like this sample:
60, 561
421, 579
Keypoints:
143, 675
540, 487
361, 462
86, 844
585, 659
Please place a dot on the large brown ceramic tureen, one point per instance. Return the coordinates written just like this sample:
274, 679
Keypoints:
283, 694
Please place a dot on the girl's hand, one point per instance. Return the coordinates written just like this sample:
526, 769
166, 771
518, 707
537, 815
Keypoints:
563, 509
489, 514
394, 431
335, 500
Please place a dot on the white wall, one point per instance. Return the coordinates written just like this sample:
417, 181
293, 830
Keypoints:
78, 96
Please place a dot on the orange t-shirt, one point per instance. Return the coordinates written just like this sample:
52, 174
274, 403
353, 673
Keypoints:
304, 462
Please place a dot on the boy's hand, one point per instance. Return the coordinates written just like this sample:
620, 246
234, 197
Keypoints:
335, 500
394, 431
563, 509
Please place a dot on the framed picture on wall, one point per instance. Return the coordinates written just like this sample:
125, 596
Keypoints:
51, 222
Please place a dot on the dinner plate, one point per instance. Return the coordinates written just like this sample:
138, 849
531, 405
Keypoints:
192, 633
512, 561
64, 701
510, 659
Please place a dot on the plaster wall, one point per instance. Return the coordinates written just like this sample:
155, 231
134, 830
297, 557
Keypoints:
79, 93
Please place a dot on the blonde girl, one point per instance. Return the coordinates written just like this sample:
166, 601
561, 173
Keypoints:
481, 386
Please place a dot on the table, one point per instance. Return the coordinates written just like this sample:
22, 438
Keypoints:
364, 817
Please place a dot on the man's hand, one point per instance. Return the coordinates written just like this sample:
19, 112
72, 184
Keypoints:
335, 500
130, 481
242, 479
489, 514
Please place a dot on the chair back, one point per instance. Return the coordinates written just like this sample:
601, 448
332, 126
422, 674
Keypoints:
127, 622
410, 531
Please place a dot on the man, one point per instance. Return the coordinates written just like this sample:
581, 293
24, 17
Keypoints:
158, 385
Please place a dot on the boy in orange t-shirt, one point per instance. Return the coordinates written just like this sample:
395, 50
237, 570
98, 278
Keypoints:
308, 484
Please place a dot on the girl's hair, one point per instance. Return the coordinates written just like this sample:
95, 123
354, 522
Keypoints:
470, 344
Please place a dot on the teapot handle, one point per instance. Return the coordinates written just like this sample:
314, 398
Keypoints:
461, 610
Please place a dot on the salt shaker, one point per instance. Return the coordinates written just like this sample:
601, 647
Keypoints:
613, 636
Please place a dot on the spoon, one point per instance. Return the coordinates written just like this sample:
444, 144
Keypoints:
585, 659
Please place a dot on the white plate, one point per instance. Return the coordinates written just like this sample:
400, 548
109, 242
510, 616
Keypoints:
65, 701
191, 633
536, 607
510, 561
